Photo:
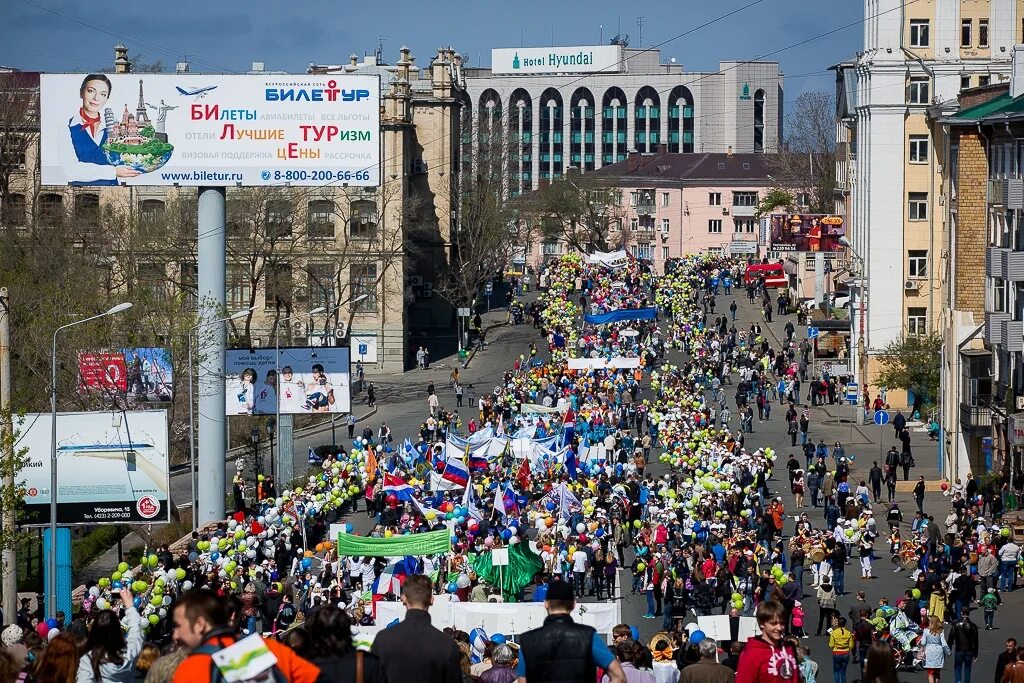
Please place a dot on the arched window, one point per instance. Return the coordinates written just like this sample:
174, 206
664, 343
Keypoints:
581, 115
613, 126
551, 143
87, 211
680, 120
647, 120
520, 112
13, 209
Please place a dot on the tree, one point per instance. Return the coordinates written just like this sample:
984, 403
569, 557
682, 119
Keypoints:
19, 131
581, 211
806, 162
910, 362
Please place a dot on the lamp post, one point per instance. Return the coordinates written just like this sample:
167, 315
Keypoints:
277, 379
52, 560
271, 426
861, 349
257, 461
191, 409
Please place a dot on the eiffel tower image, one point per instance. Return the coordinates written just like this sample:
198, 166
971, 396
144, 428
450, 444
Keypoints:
140, 112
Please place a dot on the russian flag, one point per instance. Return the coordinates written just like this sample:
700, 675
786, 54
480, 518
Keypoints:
509, 499
478, 460
568, 427
394, 575
455, 471
397, 486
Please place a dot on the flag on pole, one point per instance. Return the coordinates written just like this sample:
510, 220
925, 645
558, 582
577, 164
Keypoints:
311, 457
397, 486
456, 472
394, 575
570, 463
371, 466
499, 503
523, 475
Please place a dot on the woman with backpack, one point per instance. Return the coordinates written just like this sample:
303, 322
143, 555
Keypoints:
109, 654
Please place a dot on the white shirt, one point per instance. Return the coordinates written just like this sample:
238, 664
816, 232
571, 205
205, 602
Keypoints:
579, 561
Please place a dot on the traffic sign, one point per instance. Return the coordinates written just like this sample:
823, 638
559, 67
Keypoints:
463, 312
852, 392
881, 418
812, 332
363, 350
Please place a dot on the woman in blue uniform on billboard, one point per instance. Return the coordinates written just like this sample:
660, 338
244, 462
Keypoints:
81, 153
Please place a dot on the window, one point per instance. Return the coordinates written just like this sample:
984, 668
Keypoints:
982, 32
238, 287
714, 251
919, 33
189, 284
664, 254
917, 320
151, 215
320, 278
363, 284
634, 224
809, 261
714, 198
1000, 296
279, 287
965, 82
550, 248
715, 225
664, 198
919, 149
737, 225
153, 282
803, 199
918, 206
362, 221
965, 32
984, 80
917, 263
13, 210
320, 219
918, 92
279, 218
744, 199
642, 251
87, 212
51, 209
12, 154
665, 225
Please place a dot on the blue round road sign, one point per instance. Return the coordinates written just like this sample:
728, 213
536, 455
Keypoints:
881, 418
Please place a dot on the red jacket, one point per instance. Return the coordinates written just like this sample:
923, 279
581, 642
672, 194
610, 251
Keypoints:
763, 663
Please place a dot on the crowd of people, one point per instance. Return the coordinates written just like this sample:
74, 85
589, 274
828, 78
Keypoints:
632, 367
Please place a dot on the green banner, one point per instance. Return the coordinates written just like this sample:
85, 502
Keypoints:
523, 564
426, 543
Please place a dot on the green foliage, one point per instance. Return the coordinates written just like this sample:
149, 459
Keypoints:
98, 541
775, 198
911, 362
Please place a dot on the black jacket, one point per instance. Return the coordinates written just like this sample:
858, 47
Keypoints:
559, 651
343, 669
963, 637
413, 650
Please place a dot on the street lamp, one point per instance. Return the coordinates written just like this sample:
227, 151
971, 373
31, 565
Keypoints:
52, 560
191, 411
271, 426
861, 350
277, 381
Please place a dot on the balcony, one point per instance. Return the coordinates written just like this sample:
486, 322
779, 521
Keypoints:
645, 208
743, 211
1015, 193
1012, 335
975, 417
996, 192
994, 327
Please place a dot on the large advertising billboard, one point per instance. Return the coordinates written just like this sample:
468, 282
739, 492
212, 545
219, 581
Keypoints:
805, 232
166, 129
112, 467
555, 60
140, 375
313, 380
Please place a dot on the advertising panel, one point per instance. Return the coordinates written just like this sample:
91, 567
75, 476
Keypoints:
140, 375
555, 60
167, 129
313, 380
805, 232
112, 468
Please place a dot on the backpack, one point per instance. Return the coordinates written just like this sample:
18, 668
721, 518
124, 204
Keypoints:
206, 648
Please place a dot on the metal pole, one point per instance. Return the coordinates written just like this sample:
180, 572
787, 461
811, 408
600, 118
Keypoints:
51, 583
212, 249
10, 558
192, 436
275, 456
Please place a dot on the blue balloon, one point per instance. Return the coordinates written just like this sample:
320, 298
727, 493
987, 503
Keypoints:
599, 533
348, 527
452, 587
462, 520
307, 562
394, 622
696, 637
193, 556
137, 601
214, 555
498, 639
550, 506
52, 623
506, 534
455, 539
116, 585
635, 632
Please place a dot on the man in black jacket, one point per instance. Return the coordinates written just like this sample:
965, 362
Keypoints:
1006, 657
963, 640
413, 650
875, 477
561, 650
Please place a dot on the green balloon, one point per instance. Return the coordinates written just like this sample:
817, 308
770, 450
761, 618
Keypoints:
123, 567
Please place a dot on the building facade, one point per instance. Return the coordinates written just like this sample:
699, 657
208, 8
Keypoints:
671, 205
915, 55
367, 255
553, 109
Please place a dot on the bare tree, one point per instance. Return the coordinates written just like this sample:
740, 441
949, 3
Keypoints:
19, 134
580, 210
807, 161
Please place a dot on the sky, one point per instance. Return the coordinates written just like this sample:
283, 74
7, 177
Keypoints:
228, 35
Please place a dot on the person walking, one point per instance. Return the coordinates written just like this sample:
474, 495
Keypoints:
561, 649
371, 395
351, 426
963, 641
826, 596
330, 647
840, 641
935, 649
767, 658
875, 478
413, 649
919, 494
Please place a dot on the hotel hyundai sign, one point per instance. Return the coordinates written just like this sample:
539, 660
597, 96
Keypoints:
557, 60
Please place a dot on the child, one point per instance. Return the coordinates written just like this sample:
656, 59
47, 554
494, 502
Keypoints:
989, 603
808, 667
798, 620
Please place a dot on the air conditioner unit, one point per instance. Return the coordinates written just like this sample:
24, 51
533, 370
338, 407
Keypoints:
725, 210
419, 167
1020, 403
911, 285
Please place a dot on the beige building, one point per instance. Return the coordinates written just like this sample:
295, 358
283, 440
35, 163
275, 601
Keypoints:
367, 255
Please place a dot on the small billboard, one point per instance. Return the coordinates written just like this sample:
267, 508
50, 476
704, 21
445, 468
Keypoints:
140, 375
112, 467
806, 232
210, 130
313, 380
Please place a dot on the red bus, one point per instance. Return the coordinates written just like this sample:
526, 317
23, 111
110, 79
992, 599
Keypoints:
773, 273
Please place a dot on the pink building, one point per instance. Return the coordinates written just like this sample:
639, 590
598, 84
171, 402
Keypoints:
678, 204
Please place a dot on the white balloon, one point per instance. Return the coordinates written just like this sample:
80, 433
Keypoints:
186, 586
94, 591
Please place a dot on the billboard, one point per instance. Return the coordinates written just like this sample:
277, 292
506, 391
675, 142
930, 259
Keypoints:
555, 60
313, 380
112, 467
805, 232
141, 375
167, 129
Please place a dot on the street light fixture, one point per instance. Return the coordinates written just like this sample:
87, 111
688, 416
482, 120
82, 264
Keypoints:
52, 560
192, 474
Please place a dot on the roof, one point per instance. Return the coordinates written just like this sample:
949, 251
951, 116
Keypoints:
1001, 106
689, 167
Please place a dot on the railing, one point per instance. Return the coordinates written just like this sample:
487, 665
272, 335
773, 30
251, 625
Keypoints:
975, 417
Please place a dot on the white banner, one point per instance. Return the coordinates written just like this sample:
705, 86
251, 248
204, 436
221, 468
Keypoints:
440, 612
609, 258
313, 380
603, 363
170, 129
